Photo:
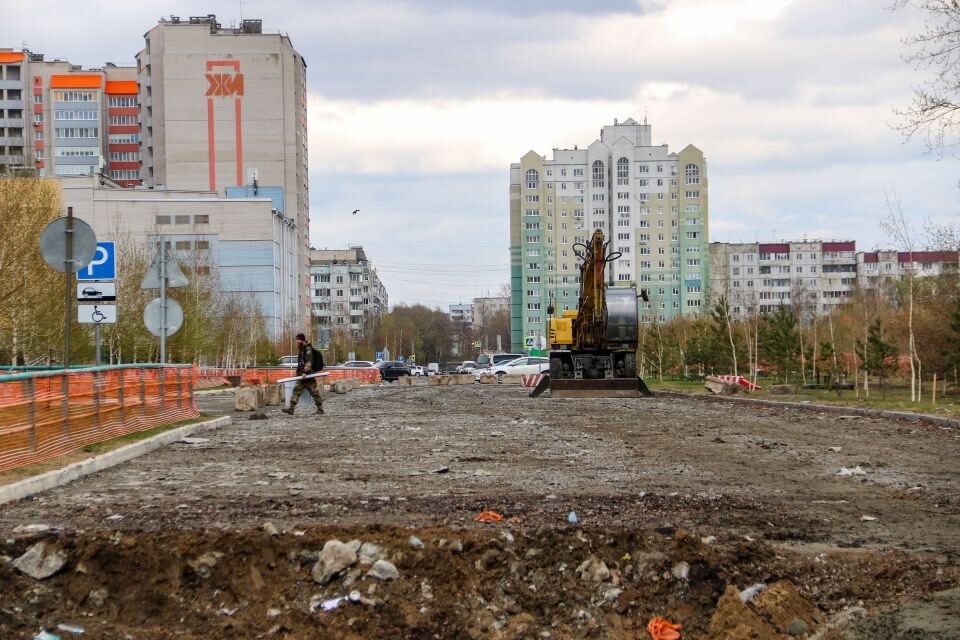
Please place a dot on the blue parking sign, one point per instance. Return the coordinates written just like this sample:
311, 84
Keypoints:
103, 266
379, 355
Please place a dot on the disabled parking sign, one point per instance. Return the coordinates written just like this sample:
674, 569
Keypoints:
103, 266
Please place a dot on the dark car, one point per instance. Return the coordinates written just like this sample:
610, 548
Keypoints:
390, 370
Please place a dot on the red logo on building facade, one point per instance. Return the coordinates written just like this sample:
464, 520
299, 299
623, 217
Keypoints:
224, 84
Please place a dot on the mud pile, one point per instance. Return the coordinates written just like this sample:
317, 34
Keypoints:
498, 581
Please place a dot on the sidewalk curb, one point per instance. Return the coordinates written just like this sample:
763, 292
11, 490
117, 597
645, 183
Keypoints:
76, 470
940, 421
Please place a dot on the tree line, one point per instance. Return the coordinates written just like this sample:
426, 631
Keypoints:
873, 337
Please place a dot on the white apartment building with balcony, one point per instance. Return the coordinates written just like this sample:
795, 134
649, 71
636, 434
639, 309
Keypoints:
346, 293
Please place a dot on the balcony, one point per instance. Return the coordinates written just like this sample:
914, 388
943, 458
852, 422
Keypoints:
11, 142
11, 160
11, 84
11, 104
11, 122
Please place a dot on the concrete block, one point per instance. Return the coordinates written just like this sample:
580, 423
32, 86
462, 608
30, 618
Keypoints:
488, 378
513, 378
718, 387
461, 379
783, 389
273, 395
437, 381
340, 386
248, 399
405, 381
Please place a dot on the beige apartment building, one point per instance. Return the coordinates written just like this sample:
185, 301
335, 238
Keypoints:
245, 242
651, 204
225, 108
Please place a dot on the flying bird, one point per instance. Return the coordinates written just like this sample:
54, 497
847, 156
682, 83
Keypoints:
356, 211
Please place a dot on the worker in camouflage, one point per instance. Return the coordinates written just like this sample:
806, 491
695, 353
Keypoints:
306, 357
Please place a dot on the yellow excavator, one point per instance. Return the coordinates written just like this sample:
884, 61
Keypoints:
593, 350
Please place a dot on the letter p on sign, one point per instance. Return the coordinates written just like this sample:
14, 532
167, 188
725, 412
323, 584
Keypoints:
103, 266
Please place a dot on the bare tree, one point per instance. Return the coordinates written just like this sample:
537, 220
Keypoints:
896, 225
934, 111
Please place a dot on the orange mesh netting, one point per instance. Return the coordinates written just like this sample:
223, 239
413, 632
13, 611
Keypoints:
45, 415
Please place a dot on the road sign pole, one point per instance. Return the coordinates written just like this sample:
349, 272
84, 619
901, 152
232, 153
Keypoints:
96, 334
163, 301
68, 289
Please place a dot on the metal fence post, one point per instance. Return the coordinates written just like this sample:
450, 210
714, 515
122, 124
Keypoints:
143, 392
120, 389
30, 391
95, 384
65, 403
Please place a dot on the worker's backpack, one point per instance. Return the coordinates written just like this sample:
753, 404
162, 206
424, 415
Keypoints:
317, 359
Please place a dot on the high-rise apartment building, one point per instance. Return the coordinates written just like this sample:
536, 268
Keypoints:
62, 120
650, 203
227, 107
347, 294
813, 277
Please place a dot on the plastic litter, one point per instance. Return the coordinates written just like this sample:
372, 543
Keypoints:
70, 628
332, 603
572, 518
488, 516
44, 635
846, 473
662, 629
750, 593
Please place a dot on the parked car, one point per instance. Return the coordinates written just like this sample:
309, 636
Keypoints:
489, 360
391, 370
288, 361
525, 366
357, 364
467, 366
417, 370
433, 368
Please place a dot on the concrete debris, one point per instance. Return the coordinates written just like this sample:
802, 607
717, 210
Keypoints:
203, 565
41, 561
383, 570
270, 529
593, 570
334, 558
856, 471
681, 571
370, 553
416, 542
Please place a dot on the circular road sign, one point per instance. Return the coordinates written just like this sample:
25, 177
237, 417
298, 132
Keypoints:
53, 244
153, 310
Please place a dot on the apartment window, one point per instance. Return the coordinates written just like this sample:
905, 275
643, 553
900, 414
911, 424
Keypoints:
533, 198
124, 156
202, 245
533, 179
77, 152
180, 219
202, 270
643, 168
74, 96
691, 194
77, 132
38, 99
181, 245
122, 101
161, 219
201, 219
691, 170
599, 173
578, 172
75, 115
124, 138
691, 180
623, 171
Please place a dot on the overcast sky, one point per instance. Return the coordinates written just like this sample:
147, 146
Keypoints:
418, 108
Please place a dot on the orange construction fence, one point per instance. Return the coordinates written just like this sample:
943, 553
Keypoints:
47, 414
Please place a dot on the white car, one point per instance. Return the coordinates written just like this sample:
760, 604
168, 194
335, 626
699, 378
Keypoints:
357, 364
467, 367
520, 366
417, 370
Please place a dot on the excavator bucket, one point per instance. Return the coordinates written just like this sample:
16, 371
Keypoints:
602, 388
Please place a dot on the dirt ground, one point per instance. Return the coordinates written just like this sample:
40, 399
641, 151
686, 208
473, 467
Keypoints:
851, 522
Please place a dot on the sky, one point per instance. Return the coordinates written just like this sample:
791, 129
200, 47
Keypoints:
417, 108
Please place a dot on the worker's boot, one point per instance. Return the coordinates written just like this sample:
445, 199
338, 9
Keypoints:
289, 410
